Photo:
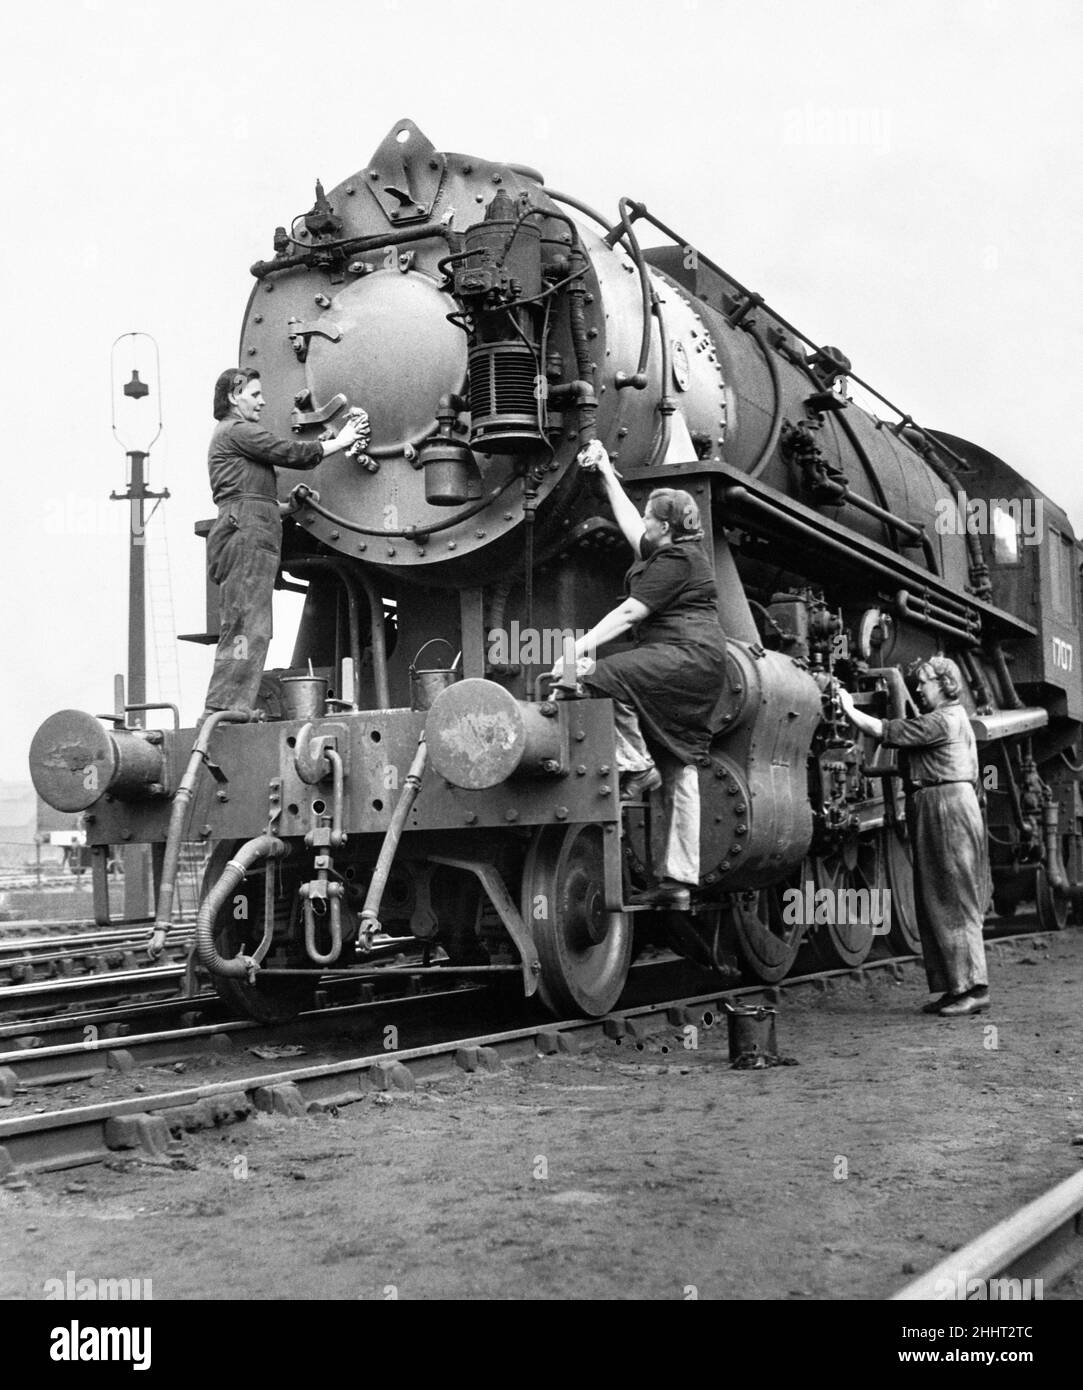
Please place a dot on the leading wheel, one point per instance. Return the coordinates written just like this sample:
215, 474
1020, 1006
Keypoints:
239, 928
845, 910
584, 951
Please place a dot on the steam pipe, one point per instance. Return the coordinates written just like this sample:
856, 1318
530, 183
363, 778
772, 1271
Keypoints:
370, 913
264, 846
377, 639
739, 497
328, 565
177, 815
666, 403
412, 533
771, 442
1007, 685
933, 617
317, 254
893, 522
638, 379
980, 690
889, 519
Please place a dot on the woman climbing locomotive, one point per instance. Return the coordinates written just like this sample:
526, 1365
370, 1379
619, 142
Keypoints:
664, 689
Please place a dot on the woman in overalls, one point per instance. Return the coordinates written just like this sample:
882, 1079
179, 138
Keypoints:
245, 543
664, 690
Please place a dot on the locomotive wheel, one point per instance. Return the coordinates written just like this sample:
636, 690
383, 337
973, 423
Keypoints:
584, 953
267, 1001
899, 866
1052, 910
769, 944
857, 864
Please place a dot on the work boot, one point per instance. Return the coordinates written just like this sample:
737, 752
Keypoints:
935, 1005
967, 1004
668, 893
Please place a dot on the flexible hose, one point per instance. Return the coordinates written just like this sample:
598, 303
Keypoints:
370, 913
239, 967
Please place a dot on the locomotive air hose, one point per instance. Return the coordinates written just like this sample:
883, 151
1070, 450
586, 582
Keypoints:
239, 967
175, 833
370, 913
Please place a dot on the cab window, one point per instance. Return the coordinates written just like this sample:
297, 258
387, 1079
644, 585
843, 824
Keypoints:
1005, 537
1062, 564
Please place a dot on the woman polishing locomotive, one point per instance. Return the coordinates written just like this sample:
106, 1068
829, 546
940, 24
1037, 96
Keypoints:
664, 690
946, 831
245, 542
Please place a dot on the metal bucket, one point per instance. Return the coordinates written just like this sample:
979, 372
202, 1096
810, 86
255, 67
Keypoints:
425, 685
752, 1035
303, 696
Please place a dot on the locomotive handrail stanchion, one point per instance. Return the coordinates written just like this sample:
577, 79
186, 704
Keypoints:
160, 704
181, 799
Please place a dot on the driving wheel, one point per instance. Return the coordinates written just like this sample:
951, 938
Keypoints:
899, 866
769, 928
844, 923
583, 950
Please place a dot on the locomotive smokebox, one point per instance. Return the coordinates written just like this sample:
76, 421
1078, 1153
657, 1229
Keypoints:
478, 735
75, 760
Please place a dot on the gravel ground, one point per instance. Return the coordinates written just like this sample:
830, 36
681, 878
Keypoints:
618, 1173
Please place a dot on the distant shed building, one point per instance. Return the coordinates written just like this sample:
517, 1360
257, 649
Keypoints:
23, 818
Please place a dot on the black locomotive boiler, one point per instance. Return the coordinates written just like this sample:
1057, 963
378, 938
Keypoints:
415, 778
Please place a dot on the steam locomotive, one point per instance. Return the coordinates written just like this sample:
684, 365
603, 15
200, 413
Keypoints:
415, 779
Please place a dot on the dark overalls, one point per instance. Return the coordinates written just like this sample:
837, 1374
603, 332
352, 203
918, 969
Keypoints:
244, 549
947, 835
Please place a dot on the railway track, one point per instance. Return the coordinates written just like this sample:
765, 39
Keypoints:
63, 957
34, 1000
1042, 1241
81, 1134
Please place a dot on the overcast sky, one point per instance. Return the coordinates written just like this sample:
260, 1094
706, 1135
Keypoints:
900, 178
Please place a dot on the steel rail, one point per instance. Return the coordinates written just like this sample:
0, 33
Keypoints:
104, 984
70, 1137
77, 943
71, 1026
1042, 1240
79, 1135
99, 954
75, 1061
